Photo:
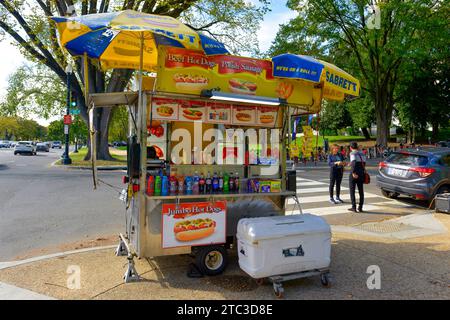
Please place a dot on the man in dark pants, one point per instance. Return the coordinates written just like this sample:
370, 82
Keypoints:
356, 177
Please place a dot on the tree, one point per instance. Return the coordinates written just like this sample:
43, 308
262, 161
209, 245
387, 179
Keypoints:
8, 127
29, 26
119, 125
33, 90
362, 113
334, 116
78, 130
347, 32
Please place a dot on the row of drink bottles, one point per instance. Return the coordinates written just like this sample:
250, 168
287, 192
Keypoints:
197, 184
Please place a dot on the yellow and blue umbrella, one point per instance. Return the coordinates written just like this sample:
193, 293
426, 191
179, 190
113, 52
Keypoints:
336, 82
117, 39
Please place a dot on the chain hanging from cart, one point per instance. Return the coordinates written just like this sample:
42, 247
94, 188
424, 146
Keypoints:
206, 152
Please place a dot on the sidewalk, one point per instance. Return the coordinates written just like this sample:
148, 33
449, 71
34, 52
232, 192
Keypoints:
412, 268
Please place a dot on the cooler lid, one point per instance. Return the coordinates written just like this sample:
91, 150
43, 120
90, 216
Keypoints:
254, 229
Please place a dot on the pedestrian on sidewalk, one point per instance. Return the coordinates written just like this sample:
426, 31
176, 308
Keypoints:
356, 177
336, 164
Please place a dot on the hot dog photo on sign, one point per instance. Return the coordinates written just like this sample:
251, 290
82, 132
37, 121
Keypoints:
266, 116
197, 223
192, 111
244, 115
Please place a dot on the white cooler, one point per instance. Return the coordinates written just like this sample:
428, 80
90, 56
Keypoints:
270, 246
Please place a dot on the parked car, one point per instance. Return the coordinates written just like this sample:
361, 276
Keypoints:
119, 144
418, 173
443, 144
56, 144
25, 147
42, 146
12, 144
4, 144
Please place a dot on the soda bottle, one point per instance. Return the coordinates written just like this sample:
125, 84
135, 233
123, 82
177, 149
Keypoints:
208, 183
195, 185
164, 186
215, 183
189, 184
201, 184
236, 182
158, 185
220, 182
180, 185
226, 180
231, 182
151, 185
173, 184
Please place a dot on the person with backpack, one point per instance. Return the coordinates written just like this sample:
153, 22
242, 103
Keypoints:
356, 177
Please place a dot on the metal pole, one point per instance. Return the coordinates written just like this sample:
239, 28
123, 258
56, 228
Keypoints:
66, 159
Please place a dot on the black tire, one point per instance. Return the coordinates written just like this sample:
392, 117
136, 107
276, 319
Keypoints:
211, 260
325, 279
15, 153
388, 194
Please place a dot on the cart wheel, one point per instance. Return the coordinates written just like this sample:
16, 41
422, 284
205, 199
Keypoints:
260, 281
325, 279
278, 290
211, 260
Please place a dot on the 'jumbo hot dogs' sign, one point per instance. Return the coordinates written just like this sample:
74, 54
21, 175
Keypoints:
196, 223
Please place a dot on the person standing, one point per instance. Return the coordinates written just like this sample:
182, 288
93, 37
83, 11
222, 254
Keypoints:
356, 177
336, 164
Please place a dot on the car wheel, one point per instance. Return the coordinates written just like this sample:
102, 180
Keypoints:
211, 260
15, 153
388, 194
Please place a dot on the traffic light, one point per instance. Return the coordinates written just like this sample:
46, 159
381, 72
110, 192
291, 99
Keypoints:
73, 100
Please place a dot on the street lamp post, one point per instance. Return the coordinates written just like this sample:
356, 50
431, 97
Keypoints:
66, 159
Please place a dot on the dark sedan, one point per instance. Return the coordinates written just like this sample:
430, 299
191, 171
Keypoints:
418, 173
42, 146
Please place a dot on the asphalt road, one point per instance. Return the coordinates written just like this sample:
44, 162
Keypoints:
42, 206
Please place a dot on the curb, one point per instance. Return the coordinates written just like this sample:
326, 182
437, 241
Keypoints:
10, 264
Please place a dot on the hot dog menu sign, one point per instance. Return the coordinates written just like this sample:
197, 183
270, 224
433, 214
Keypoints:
196, 223
189, 72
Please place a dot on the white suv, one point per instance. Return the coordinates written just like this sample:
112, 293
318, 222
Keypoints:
25, 147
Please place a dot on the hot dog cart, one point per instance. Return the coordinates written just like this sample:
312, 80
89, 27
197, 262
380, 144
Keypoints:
223, 120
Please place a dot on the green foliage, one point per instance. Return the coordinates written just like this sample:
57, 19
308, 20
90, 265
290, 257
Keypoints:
32, 91
118, 127
21, 129
77, 131
334, 116
338, 31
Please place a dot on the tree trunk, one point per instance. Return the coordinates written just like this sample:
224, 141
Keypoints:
435, 132
366, 133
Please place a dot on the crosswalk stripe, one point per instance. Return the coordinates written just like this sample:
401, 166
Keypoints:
314, 190
340, 209
310, 183
322, 198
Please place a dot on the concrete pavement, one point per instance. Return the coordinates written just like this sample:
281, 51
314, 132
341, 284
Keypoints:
415, 268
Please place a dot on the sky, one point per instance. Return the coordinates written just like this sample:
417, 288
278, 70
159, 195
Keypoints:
12, 59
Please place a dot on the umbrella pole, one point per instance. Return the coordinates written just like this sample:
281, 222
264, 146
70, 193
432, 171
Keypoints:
91, 122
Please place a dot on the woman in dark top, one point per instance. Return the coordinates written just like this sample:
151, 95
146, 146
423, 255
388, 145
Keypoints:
336, 164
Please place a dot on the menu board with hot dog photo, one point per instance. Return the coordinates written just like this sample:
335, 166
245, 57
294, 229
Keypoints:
192, 110
266, 116
165, 109
196, 223
244, 115
218, 113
